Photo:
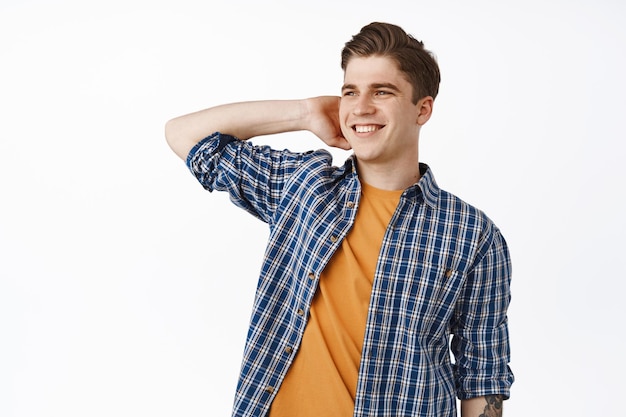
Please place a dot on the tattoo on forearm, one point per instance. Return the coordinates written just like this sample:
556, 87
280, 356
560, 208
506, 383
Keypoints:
493, 407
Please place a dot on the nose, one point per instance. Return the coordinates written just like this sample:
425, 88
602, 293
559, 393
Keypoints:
363, 105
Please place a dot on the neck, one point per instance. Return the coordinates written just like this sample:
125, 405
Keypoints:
385, 177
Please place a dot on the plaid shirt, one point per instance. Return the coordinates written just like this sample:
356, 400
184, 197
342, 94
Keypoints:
443, 269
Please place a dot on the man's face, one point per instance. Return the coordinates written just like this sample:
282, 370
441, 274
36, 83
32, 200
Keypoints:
376, 113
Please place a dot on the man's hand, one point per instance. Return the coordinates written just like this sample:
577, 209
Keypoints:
323, 115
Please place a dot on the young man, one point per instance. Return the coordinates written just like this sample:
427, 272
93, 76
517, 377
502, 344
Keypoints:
370, 266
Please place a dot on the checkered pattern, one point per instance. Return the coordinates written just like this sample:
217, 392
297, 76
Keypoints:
443, 270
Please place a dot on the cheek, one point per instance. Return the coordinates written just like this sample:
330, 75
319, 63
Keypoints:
343, 116
343, 109
345, 131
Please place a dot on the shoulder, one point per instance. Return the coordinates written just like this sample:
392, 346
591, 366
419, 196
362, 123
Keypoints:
455, 211
461, 209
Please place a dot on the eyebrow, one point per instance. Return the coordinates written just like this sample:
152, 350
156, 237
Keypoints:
374, 86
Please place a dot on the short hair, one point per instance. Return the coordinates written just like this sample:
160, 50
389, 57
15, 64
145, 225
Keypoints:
384, 39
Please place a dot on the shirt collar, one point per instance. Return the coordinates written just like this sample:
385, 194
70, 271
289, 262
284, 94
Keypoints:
427, 185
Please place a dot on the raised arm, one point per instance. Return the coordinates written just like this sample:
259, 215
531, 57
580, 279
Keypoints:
245, 120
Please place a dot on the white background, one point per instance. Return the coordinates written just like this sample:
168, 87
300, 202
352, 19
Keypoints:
125, 288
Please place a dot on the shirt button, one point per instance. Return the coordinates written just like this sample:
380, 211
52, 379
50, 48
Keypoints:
350, 204
300, 312
289, 349
269, 389
311, 275
448, 273
333, 239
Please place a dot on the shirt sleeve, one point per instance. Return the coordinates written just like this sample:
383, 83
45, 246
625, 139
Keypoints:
480, 340
253, 176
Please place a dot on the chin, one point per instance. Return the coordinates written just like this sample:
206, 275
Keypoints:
364, 156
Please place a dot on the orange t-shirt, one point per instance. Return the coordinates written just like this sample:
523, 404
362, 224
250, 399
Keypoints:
323, 377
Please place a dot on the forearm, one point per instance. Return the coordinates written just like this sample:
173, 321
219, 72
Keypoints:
487, 406
242, 120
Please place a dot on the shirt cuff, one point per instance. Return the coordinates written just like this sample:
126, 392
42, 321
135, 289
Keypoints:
223, 141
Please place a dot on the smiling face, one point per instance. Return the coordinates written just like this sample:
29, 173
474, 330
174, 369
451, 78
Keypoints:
378, 117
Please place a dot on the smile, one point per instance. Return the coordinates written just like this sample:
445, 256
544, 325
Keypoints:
366, 128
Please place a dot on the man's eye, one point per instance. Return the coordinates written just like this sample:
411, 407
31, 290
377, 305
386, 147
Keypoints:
349, 93
382, 93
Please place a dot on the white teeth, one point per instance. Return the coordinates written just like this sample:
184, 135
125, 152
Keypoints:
365, 129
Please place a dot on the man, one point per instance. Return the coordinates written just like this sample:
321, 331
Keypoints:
370, 266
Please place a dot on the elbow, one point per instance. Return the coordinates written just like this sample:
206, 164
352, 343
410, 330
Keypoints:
170, 132
173, 137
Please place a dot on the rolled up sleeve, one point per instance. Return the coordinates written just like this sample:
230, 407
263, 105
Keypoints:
253, 176
480, 330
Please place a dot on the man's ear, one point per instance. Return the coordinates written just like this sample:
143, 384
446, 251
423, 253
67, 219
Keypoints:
424, 109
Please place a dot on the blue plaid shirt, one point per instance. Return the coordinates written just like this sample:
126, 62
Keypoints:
443, 269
